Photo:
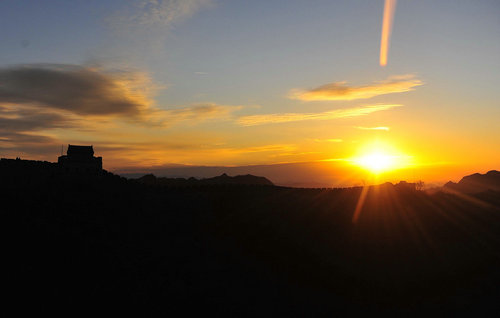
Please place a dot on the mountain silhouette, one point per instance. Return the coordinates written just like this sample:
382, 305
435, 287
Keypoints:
223, 179
476, 183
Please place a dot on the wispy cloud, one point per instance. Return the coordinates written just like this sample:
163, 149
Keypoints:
195, 113
166, 12
254, 120
140, 29
342, 91
329, 140
266, 148
153, 19
373, 128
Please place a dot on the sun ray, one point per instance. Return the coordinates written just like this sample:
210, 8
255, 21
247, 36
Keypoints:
359, 205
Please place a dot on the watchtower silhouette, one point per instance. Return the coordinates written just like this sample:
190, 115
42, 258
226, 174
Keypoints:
80, 160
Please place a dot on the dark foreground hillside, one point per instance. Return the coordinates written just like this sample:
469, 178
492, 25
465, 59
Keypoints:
107, 245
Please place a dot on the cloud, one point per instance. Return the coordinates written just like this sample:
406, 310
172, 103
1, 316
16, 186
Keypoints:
329, 140
153, 18
197, 112
138, 30
22, 119
14, 144
77, 89
16, 138
254, 120
87, 91
342, 91
21, 130
42, 105
37, 99
373, 128
167, 12
265, 148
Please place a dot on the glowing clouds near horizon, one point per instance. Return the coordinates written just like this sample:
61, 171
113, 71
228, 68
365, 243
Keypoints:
342, 91
253, 120
389, 8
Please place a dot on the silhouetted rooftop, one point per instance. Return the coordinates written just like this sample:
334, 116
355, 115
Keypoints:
74, 150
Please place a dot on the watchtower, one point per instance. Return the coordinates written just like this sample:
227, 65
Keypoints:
80, 160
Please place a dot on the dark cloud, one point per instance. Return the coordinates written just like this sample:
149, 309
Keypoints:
24, 138
22, 120
21, 131
15, 144
73, 88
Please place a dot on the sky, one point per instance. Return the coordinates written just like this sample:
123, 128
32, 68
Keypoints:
293, 90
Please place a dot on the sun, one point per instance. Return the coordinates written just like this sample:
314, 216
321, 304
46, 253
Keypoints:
378, 158
376, 162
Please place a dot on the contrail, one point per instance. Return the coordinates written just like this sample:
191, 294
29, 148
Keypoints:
389, 8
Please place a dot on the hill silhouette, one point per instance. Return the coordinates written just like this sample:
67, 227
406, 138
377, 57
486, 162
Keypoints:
476, 183
111, 245
223, 179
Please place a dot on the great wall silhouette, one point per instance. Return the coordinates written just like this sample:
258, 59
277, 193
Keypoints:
83, 239
79, 160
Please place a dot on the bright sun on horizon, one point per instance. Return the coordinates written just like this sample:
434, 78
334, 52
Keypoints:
376, 162
378, 158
